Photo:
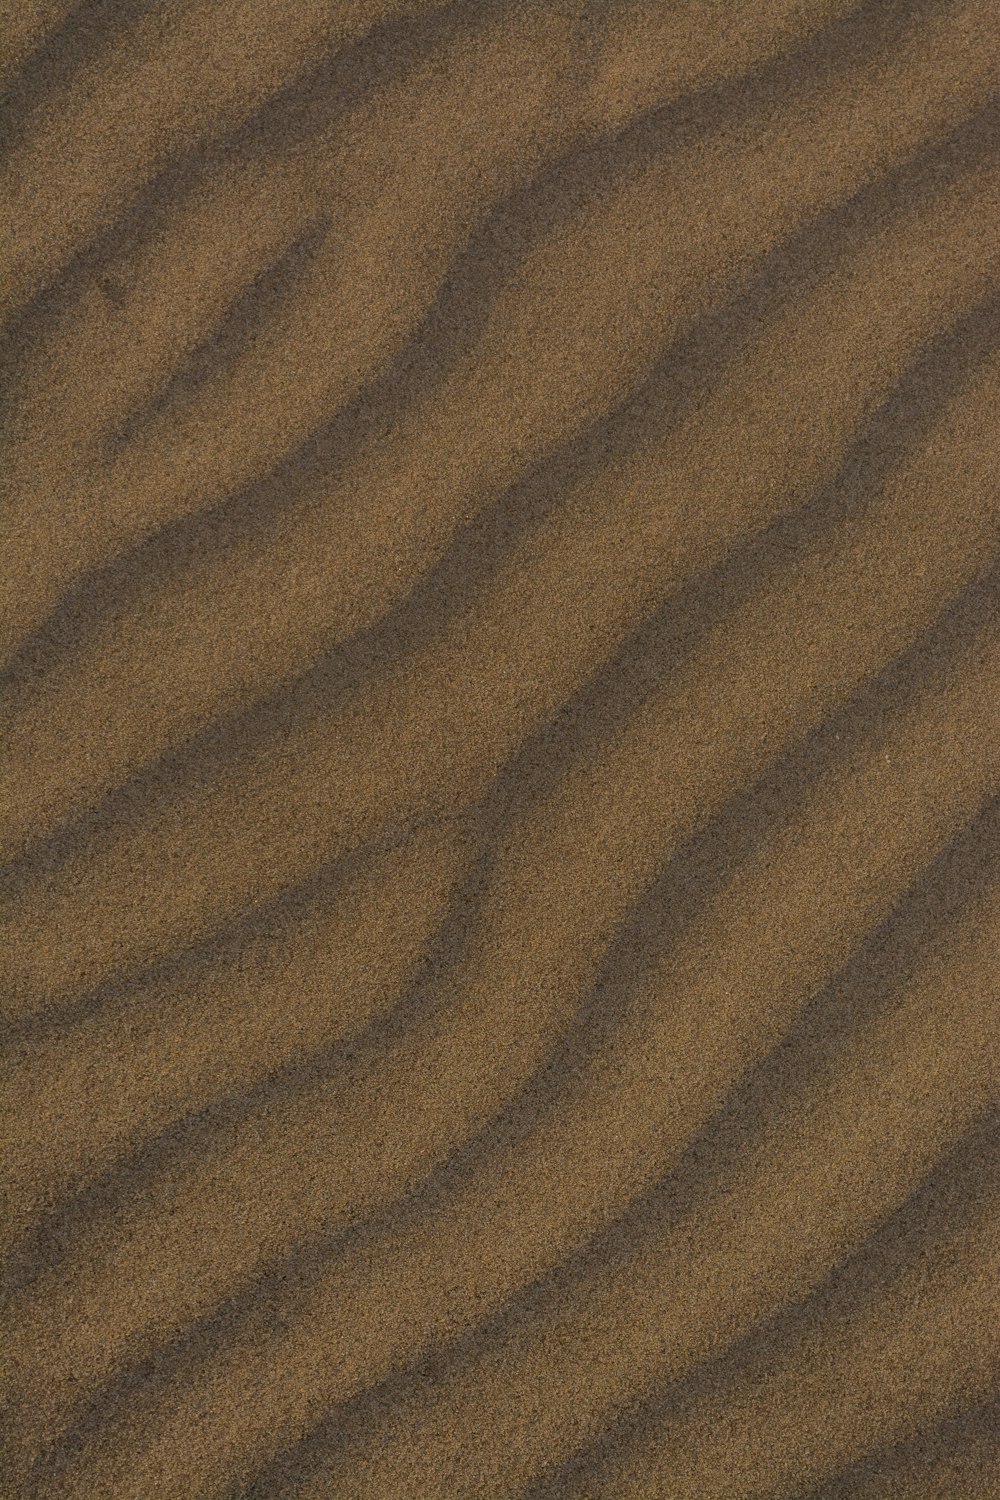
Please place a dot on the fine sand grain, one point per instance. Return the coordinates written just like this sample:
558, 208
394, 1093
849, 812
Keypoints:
500, 786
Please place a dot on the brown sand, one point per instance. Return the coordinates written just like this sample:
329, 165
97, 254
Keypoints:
500, 797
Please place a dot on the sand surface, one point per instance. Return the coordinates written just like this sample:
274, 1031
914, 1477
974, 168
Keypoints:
500, 787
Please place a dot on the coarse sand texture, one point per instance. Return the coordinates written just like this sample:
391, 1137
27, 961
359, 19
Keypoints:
500, 752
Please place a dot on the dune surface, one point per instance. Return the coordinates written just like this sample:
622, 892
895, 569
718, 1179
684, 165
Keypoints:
500, 786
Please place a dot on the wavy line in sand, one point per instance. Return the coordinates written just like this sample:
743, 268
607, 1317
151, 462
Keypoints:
383, 251
756, 635
178, 1045
893, 831
759, 1245
606, 539
247, 826
601, 344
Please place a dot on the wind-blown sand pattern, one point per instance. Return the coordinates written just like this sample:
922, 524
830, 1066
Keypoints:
501, 784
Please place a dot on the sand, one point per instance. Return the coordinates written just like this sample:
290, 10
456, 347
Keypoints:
500, 792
